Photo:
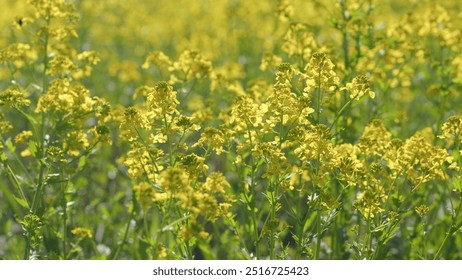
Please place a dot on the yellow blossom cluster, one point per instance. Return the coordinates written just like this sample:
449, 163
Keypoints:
278, 129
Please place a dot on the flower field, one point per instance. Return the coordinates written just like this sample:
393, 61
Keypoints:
230, 129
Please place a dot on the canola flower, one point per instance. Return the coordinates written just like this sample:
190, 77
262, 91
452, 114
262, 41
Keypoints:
235, 130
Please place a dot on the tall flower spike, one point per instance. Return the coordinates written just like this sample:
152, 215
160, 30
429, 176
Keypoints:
359, 87
319, 73
452, 128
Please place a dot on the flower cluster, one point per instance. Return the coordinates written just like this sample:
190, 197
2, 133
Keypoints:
232, 130
320, 74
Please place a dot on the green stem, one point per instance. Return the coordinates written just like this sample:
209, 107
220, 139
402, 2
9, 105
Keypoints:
318, 104
149, 154
369, 240
301, 220
124, 239
272, 242
41, 145
339, 114
453, 229
318, 236
169, 143
16, 184
345, 42
41, 151
27, 248
299, 234
64, 206
253, 200
424, 254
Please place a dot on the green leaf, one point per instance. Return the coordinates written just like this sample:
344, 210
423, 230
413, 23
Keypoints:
33, 148
82, 161
53, 178
29, 117
10, 146
22, 202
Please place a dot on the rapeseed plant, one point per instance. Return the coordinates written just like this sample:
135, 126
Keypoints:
279, 130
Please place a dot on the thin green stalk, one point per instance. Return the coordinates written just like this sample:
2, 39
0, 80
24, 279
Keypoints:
41, 145
452, 229
318, 236
272, 241
253, 201
246, 199
337, 239
382, 241
125, 236
16, 183
10, 198
27, 247
345, 40
299, 248
455, 215
64, 206
182, 137
339, 114
274, 195
335, 243
169, 143
147, 232
424, 243
369, 240
318, 93
367, 243
149, 154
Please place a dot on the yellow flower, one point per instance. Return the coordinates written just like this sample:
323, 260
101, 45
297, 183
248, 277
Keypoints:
299, 41
18, 54
213, 138
142, 161
102, 134
375, 139
134, 118
194, 165
161, 251
26, 153
285, 10
161, 99
193, 229
319, 73
53, 8
422, 161
86, 60
22, 136
174, 180
65, 97
349, 165
422, 210
14, 96
359, 87
452, 128
61, 65
273, 156
283, 102
82, 232
270, 61
75, 142
191, 64
246, 112
157, 58
144, 195
5, 125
